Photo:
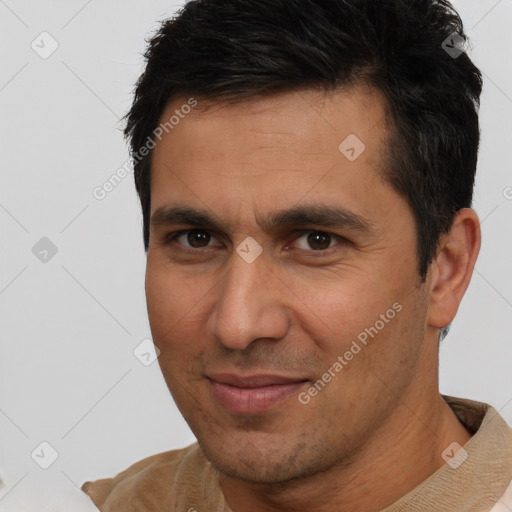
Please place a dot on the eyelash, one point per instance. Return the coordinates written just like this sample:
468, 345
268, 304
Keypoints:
171, 238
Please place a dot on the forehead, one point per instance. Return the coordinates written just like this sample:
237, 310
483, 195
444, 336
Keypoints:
313, 119
280, 149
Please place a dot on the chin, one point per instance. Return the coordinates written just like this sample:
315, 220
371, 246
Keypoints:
263, 466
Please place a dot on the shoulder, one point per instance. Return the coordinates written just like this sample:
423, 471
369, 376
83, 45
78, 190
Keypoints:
151, 477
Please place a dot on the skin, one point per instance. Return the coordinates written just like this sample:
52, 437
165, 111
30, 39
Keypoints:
379, 427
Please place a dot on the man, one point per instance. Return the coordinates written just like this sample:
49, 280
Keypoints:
306, 170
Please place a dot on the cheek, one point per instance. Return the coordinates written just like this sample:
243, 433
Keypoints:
171, 289
175, 312
341, 309
174, 302
370, 352
162, 300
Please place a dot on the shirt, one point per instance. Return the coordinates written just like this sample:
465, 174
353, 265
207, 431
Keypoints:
475, 479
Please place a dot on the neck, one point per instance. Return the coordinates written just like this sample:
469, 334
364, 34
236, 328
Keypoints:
403, 452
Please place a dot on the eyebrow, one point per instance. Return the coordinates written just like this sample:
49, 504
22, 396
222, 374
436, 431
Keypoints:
309, 214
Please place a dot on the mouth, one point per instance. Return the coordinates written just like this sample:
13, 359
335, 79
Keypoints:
253, 394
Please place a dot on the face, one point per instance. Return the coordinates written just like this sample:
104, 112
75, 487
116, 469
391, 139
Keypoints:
282, 283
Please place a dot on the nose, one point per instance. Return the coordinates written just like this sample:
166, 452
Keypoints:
251, 305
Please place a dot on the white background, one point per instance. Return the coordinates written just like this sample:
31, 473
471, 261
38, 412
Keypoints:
69, 326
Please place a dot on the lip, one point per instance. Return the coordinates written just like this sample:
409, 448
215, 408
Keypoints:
253, 394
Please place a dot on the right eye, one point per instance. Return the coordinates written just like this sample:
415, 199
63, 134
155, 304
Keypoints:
191, 238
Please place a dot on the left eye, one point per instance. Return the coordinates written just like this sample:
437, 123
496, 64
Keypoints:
316, 241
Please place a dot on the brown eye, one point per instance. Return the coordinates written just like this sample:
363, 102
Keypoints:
316, 241
198, 238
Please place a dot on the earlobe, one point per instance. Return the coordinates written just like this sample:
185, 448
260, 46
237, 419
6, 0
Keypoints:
453, 267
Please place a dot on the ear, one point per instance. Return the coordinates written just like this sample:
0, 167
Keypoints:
452, 268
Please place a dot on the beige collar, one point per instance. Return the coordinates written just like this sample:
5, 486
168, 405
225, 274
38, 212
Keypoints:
479, 481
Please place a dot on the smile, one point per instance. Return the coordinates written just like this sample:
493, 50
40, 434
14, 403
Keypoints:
253, 394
